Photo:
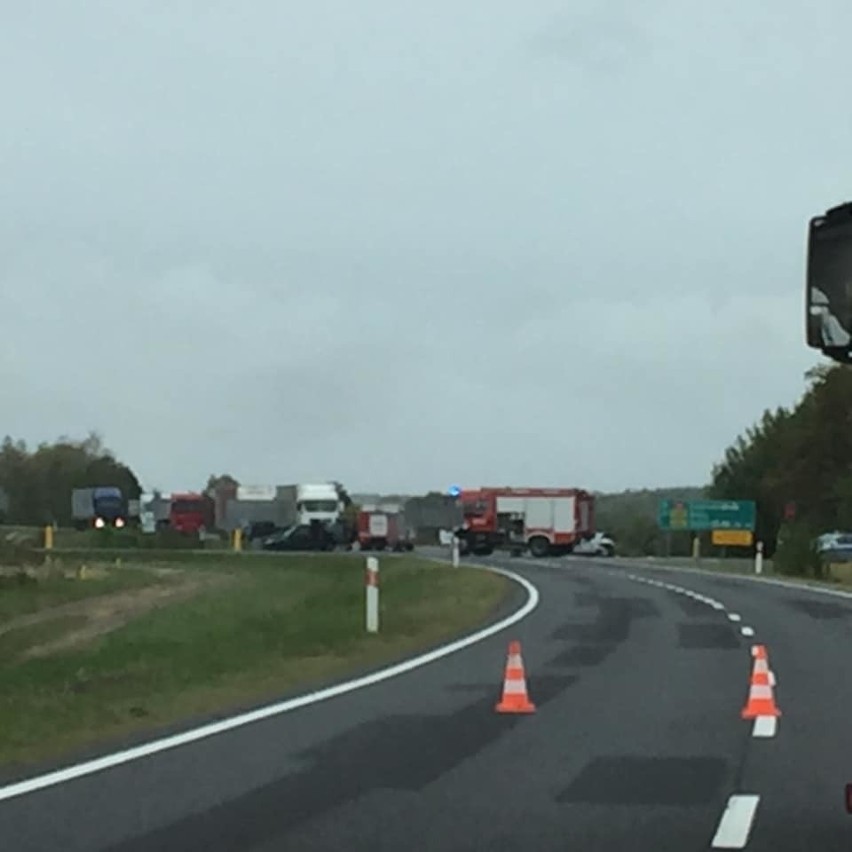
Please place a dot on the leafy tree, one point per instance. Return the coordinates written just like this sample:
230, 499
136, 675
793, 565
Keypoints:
803, 456
631, 518
39, 483
343, 495
222, 482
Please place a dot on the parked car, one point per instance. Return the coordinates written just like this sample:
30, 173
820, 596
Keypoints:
301, 537
835, 546
600, 544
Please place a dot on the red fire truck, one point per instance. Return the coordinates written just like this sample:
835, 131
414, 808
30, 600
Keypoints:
379, 529
544, 520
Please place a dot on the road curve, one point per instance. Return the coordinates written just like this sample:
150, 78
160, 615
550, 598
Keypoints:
639, 676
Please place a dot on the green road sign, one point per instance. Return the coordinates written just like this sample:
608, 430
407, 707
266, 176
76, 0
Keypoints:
699, 515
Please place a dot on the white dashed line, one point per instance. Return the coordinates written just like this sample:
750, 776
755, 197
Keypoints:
765, 726
670, 587
737, 819
735, 825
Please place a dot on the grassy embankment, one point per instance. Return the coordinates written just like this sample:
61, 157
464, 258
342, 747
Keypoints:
91, 661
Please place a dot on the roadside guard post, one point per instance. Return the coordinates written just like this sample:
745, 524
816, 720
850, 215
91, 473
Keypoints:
48, 537
238, 539
455, 551
758, 558
371, 581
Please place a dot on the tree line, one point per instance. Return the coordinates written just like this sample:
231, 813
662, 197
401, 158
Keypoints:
36, 484
796, 463
631, 518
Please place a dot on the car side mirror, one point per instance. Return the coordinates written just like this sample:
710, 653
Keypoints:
828, 313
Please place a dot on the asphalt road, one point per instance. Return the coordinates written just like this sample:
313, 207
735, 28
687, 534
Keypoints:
637, 742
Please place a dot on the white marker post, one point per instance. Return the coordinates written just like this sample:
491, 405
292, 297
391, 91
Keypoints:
371, 582
455, 551
758, 559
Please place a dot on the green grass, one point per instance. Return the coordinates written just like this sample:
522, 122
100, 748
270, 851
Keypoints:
19, 639
276, 626
174, 556
728, 566
21, 594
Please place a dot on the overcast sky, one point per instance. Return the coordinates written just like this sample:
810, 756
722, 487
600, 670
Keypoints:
404, 245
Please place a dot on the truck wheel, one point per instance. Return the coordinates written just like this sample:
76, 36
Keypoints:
539, 546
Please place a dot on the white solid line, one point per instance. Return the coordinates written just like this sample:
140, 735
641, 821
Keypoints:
765, 726
734, 617
747, 631
89, 767
735, 825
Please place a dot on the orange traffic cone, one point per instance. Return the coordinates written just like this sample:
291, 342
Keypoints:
761, 699
515, 698
760, 673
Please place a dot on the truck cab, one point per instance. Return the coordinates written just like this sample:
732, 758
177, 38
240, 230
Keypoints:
191, 513
318, 502
109, 507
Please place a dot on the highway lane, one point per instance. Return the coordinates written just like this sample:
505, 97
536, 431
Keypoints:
800, 773
637, 742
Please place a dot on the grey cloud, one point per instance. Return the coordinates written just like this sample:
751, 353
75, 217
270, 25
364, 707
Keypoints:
376, 243
602, 38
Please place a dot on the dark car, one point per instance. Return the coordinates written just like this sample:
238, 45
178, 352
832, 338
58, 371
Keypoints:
261, 530
303, 537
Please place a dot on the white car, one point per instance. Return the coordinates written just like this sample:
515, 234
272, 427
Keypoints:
600, 544
835, 546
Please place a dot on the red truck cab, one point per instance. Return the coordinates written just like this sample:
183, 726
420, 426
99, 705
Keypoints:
191, 513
